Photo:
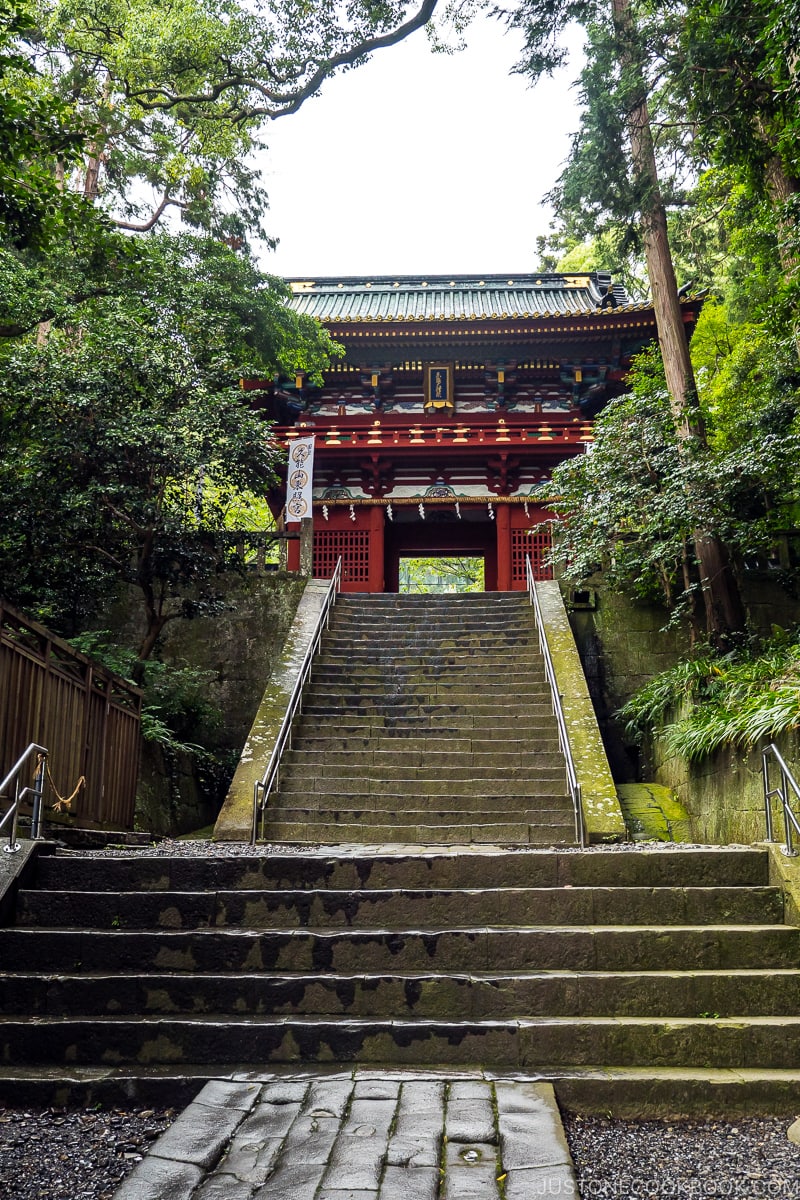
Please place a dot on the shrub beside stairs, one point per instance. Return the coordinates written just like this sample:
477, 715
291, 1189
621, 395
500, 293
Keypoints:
641, 982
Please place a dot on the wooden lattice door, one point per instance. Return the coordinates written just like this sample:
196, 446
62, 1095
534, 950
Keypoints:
352, 545
536, 542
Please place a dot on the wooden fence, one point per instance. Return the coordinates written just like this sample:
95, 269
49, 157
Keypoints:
87, 717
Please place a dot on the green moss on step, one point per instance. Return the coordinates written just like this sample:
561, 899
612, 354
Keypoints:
653, 812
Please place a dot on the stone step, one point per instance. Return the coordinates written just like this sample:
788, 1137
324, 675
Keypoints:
503, 644
401, 626
348, 825
667, 1093
398, 787
464, 627
459, 639
317, 831
466, 659
478, 715
524, 652
283, 908
476, 996
391, 807
545, 1042
317, 743
584, 948
553, 814
454, 949
498, 679
442, 692
335, 866
527, 754
553, 805
394, 808
405, 608
396, 731
430, 599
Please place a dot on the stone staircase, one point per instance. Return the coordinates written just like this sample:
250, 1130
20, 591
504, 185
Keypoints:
427, 719
638, 981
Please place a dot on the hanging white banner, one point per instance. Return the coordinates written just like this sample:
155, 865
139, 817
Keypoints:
298, 483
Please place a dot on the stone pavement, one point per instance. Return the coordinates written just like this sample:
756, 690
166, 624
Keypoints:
360, 1135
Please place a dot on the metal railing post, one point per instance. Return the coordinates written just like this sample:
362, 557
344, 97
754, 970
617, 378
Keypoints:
13, 776
38, 788
767, 797
791, 824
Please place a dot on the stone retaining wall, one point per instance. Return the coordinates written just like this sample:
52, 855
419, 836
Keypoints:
623, 644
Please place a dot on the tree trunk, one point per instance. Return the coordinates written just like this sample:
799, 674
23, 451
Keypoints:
780, 189
723, 604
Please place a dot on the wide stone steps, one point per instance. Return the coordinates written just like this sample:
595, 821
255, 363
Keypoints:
491, 697
495, 686
552, 820
372, 907
597, 969
479, 827
462, 758
376, 658
476, 995
543, 1043
382, 745
446, 809
360, 868
327, 719
459, 688
408, 786
454, 948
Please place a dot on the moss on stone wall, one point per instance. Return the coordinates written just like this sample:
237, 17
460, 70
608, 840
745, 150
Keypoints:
623, 645
239, 647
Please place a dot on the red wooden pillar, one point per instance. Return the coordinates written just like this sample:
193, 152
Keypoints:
293, 547
503, 523
376, 582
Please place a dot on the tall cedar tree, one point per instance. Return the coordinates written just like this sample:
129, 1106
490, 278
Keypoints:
543, 21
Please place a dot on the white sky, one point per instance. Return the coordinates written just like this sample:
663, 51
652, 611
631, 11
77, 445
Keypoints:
419, 163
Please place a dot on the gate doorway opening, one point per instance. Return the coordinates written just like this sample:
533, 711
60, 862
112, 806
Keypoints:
441, 574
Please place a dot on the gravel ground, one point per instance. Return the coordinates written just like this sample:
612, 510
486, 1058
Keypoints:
174, 848
59, 1154
199, 848
73, 1154
748, 1159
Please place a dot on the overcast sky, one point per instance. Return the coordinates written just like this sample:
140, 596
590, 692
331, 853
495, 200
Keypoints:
419, 163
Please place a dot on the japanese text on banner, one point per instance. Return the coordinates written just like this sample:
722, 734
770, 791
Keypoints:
301, 471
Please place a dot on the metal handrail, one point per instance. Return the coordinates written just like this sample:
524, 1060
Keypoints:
791, 824
558, 708
283, 741
13, 846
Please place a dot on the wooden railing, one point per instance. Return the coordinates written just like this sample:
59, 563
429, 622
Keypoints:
88, 717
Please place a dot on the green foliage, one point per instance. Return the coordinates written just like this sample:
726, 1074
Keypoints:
740, 699
441, 575
624, 505
40, 134
632, 504
176, 711
173, 97
131, 405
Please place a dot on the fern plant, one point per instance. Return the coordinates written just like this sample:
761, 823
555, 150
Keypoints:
738, 700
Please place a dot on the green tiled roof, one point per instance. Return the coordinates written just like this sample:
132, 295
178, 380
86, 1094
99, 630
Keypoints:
455, 297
